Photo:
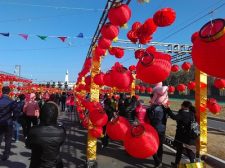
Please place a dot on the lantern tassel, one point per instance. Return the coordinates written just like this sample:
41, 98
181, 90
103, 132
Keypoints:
125, 26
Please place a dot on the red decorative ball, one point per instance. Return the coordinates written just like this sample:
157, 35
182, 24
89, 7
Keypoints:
119, 15
181, 87
109, 31
191, 85
119, 52
99, 79
98, 117
104, 43
175, 68
219, 83
209, 48
149, 90
139, 53
171, 89
186, 66
164, 17
157, 64
117, 128
137, 87
141, 141
96, 132
132, 36
142, 89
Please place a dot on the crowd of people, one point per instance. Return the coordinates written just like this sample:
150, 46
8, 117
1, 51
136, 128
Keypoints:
38, 113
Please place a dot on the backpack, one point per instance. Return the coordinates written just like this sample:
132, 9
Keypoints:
151, 114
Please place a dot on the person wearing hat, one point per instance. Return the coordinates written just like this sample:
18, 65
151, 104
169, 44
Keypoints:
7, 111
31, 110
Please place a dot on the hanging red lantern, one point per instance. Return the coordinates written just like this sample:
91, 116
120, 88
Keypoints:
149, 90
104, 43
194, 37
125, 76
181, 87
186, 66
213, 106
99, 79
171, 89
109, 31
132, 36
150, 49
137, 87
96, 132
117, 128
99, 51
139, 53
136, 26
164, 17
142, 89
119, 52
119, 15
98, 117
211, 101
209, 48
141, 141
219, 83
107, 79
175, 68
191, 85
145, 39
148, 28
132, 68
157, 64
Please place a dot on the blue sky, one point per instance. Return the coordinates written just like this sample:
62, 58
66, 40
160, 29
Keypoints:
48, 60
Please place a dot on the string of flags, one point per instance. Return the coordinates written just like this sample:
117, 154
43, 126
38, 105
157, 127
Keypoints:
44, 37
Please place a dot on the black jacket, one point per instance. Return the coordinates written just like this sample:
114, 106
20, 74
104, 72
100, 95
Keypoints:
45, 142
183, 119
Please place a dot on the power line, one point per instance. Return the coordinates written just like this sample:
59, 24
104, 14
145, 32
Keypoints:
54, 7
191, 23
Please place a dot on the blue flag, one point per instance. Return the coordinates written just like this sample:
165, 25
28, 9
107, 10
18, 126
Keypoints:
5, 34
80, 35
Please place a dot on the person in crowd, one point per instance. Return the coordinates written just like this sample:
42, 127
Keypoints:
63, 101
46, 138
110, 113
57, 99
68, 99
19, 117
7, 111
183, 138
157, 115
72, 102
115, 102
32, 111
140, 112
130, 106
121, 107
38, 99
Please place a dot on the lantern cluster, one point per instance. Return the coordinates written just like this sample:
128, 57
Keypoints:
213, 106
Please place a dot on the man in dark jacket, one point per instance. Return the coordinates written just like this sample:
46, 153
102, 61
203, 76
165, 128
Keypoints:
7, 106
63, 101
45, 139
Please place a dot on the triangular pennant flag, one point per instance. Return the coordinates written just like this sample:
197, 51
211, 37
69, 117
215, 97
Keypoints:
80, 35
25, 36
5, 34
63, 39
42, 37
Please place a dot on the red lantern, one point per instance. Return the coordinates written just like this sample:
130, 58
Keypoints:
109, 31
209, 48
211, 101
145, 39
164, 17
141, 141
125, 76
136, 26
96, 132
99, 79
191, 85
104, 43
117, 128
157, 64
107, 79
142, 89
119, 52
139, 53
194, 37
186, 66
137, 87
181, 87
148, 28
132, 68
119, 15
219, 83
132, 36
171, 89
175, 68
213, 106
99, 51
98, 117
149, 90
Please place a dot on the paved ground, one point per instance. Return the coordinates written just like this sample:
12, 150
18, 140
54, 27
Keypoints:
74, 149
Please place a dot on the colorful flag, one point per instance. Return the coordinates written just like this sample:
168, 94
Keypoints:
63, 39
42, 37
80, 35
5, 34
25, 36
